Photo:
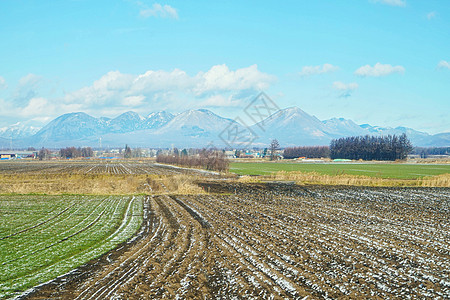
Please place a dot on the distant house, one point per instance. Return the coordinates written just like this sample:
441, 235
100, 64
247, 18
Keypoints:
246, 156
17, 154
230, 154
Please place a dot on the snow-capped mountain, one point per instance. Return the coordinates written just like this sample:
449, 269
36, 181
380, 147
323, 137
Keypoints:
72, 126
199, 128
200, 122
416, 137
193, 128
18, 131
292, 126
157, 120
343, 127
126, 122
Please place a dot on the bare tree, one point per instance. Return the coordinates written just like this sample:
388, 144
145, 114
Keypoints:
274, 145
44, 154
137, 152
127, 153
210, 159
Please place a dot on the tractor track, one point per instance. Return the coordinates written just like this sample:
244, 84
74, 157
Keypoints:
276, 241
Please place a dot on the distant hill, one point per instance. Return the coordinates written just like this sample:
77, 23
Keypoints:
292, 126
18, 131
198, 128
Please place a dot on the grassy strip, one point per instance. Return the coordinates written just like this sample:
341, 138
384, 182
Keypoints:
303, 178
377, 170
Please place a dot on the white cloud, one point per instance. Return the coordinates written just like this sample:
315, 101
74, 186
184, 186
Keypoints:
379, 70
30, 80
313, 70
400, 3
345, 86
133, 101
26, 89
118, 90
221, 78
2, 83
346, 89
113, 80
443, 64
158, 10
220, 101
161, 80
42, 120
431, 15
36, 107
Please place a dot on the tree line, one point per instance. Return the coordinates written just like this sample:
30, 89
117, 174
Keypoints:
391, 147
424, 152
72, 152
209, 159
306, 151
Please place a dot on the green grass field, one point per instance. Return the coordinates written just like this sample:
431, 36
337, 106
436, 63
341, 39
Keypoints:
397, 171
42, 237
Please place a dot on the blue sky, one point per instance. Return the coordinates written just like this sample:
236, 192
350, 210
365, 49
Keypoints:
382, 62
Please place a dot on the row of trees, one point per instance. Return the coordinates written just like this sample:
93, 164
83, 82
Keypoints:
207, 159
307, 151
391, 147
424, 152
72, 152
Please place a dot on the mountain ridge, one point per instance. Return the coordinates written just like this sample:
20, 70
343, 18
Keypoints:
198, 128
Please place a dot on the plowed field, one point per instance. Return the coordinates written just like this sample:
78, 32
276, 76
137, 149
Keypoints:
272, 241
91, 168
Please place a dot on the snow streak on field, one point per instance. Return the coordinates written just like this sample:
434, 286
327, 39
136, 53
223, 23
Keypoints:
42, 237
279, 241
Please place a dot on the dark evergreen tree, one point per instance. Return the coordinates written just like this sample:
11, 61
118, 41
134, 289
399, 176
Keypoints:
308, 151
367, 147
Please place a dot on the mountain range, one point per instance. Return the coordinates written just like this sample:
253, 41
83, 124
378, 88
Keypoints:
197, 128
18, 131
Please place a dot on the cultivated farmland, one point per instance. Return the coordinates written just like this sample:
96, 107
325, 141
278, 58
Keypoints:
96, 177
42, 237
267, 241
379, 170
91, 168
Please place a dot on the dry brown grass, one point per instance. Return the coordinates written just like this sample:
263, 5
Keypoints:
444, 160
442, 180
101, 184
355, 180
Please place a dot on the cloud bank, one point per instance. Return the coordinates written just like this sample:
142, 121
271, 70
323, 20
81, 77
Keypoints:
161, 11
346, 89
116, 92
443, 65
378, 70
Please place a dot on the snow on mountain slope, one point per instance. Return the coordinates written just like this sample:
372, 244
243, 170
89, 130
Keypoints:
157, 120
18, 131
126, 122
199, 128
292, 126
200, 122
343, 127
71, 126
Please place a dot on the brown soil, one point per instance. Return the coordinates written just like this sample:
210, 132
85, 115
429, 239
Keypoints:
278, 241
